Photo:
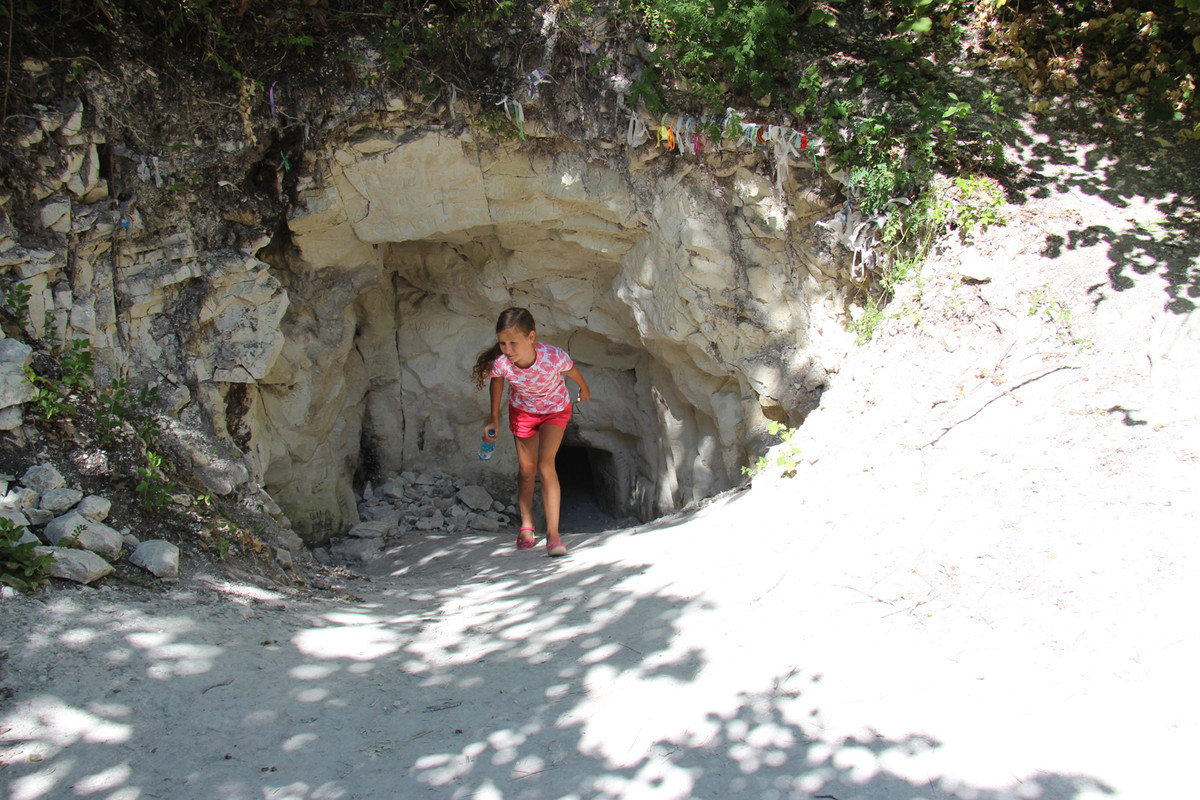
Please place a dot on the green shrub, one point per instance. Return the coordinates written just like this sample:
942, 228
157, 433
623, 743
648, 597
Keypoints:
20, 567
153, 487
706, 41
50, 399
787, 458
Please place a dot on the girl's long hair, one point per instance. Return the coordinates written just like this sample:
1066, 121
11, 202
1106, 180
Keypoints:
518, 318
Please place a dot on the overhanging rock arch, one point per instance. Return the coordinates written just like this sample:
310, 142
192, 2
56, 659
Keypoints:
686, 293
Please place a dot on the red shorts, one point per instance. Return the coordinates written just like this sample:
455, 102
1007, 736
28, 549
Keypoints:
524, 424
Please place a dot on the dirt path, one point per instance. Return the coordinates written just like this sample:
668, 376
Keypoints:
980, 583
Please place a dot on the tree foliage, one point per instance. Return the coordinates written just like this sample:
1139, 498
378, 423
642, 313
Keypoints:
1139, 57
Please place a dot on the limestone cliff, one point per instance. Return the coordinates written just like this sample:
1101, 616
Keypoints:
302, 354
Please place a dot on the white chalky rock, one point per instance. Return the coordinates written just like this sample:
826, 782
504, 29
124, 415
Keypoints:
356, 549
94, 507
80, 566
476, 497
11, 418
41, 478
88, 534
59, 500
158, 557
15, 388
372, 529
17, 518
479, 522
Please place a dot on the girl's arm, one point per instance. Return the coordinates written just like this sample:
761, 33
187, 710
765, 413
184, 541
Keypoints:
584, 392
496, 390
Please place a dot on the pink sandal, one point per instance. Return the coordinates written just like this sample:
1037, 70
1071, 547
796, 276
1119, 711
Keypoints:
524, 543
555, 547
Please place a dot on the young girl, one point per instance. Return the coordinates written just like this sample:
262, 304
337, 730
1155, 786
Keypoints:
538, 410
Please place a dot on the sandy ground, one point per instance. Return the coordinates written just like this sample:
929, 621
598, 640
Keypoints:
980, 583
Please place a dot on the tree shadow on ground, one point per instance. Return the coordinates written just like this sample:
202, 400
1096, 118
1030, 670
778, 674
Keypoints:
1128, 166
523, 677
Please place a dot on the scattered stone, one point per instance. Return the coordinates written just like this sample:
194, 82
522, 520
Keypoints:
429, 502
58, 501
30, 133
20, 499
17, 518
15, 389
38, 516
284, 559
158, 557
475, 497
391, 516
41, 478
481, 523
223, 476
371, 529
356, 549
393, 489
288, 540
55, 214
11, 418
27, 537
94, 507
80, 566
131, 541
72, 115
432, 522
84, 533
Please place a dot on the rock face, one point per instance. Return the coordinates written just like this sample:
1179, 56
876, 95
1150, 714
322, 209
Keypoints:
692, 293
685, 300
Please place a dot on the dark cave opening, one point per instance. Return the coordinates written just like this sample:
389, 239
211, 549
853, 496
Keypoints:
587, 479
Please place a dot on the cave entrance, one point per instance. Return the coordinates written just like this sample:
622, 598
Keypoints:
587, 478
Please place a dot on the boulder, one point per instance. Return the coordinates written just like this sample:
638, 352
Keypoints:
15, 388
60, 500
80, 566
11, 418
88, 534
371, 529
94, 507
475, 498
158, 557
41, 478
17, 518
479, 522
356, 549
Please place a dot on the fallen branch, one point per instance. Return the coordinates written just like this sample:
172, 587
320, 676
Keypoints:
989, 401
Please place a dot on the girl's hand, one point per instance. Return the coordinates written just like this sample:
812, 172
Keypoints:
489, 433
585, 393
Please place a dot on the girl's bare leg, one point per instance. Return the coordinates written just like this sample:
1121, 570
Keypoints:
551, 437
527, 460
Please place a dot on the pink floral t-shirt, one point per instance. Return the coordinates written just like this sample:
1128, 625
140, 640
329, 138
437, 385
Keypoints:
539, 388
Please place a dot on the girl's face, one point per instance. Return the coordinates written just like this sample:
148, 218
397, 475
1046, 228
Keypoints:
517, 346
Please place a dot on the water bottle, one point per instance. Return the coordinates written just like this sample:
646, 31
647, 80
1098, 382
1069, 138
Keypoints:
486, 448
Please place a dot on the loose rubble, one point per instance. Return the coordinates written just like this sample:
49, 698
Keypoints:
69, 526
412, 504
